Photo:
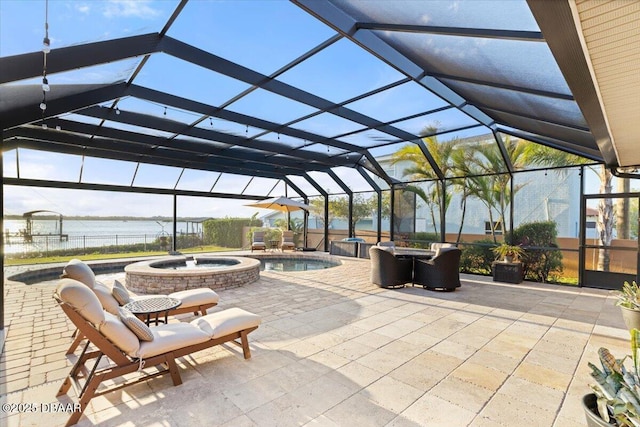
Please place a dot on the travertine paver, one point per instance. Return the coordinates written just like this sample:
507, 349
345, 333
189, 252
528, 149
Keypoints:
335, 350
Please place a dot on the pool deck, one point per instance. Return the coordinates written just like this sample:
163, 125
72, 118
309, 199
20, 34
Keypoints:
335, 350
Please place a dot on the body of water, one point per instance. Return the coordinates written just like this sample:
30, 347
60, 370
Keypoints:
87, 233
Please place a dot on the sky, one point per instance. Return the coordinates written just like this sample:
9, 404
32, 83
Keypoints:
261, 35
74, 22
209, 26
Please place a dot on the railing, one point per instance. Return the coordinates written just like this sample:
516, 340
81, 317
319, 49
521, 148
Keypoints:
79, 245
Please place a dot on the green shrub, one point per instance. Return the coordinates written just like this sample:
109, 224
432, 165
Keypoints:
477, 257
541, 258
227, 232
422, 239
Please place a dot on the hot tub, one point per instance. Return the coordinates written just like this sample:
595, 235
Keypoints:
160, 276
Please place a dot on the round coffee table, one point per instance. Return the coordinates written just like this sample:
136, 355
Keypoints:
153, 306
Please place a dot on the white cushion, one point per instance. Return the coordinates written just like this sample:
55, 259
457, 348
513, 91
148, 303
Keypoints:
196, 297
436, 245
226, 322
82, 299
171, 337
118, 333
109, 303
78, 270
389, 244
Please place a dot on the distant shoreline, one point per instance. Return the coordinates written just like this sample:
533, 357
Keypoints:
107, 218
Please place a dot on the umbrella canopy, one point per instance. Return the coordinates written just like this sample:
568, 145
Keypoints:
283, 204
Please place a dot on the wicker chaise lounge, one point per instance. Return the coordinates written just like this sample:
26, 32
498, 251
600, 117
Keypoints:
130, 346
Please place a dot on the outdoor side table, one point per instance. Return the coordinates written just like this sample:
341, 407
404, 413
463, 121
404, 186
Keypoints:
150, 309
274, 245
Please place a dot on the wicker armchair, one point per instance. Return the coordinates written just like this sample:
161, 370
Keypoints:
440, 272
387, 270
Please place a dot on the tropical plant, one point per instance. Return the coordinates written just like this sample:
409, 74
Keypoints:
477, 257
629, 296
542, 256
420, 169
617, 388
506, 251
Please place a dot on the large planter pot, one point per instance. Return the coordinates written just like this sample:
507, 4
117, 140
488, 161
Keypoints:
631, 317
591, 412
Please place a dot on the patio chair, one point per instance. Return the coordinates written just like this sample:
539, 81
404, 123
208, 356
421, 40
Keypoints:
387, 270
195, 301
257, 241
129, 345
440, 272
287, 240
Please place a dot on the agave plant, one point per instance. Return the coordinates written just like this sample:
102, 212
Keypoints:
617, 388
629, 296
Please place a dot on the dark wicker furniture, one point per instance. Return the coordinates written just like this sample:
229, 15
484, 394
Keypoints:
387, 270
440, 272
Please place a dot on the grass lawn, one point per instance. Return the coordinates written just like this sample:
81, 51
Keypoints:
8, 261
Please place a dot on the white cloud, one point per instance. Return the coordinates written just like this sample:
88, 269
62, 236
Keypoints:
83, 8
130, 8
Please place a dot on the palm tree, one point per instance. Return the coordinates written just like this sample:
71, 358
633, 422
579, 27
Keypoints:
489, 182
420, 170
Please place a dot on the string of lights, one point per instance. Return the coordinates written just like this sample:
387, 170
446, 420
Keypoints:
46, 48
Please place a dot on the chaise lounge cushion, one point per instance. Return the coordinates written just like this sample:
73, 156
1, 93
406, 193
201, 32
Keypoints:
80, 271
76, 297
105, 295
226, 322
171, 337
119, 334
195, 297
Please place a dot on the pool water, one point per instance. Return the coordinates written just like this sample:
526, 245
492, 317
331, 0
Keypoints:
294, 264
190, 265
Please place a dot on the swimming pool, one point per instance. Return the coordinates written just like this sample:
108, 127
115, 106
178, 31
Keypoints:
294, 264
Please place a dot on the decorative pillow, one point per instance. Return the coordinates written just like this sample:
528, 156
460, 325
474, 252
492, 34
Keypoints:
136, 325
120, 293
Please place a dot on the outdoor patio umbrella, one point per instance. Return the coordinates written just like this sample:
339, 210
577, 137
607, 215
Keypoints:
283, 204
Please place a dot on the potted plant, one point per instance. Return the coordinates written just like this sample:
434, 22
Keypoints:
615, 399
508, 253
629, 303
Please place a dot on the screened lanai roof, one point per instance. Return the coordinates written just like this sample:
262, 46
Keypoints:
239, 99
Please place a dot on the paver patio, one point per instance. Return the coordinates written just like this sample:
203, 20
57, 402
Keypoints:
333, 349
